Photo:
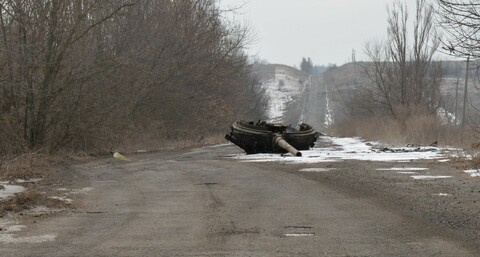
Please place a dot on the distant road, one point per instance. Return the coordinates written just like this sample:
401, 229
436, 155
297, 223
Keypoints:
198, 203
315, 103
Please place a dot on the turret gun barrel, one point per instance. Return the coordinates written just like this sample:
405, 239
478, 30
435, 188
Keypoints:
279, 141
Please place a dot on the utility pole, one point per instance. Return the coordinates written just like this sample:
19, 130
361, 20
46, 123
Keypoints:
456, 101
465, 93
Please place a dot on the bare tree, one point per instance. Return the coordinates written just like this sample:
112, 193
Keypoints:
461, 21
42, 36
96, 74
402, 69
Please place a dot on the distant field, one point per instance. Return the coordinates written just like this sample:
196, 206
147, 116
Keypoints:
288, 88
350, 76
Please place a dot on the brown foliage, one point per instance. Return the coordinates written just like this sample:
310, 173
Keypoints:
475, 145
27, 166
402, 70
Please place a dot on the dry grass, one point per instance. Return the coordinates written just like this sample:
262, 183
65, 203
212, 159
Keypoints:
417, 129
475, 162
374, 128
28, 200
460, 162
27, 166
420, 129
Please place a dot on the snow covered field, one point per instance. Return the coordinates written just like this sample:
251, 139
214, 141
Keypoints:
281, 89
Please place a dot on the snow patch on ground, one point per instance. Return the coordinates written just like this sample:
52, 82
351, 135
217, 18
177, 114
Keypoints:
446, 117
346, 149
9, 190
473, 173
41, 210
427, 177
82, 190
63, 199
33, 180
299, 234
443, 160
403, 169
10, 227
316, 169
442, 194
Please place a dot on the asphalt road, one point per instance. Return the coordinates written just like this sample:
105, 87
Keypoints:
198, 203
315, 103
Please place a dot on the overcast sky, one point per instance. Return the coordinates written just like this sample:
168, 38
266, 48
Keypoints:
325, 30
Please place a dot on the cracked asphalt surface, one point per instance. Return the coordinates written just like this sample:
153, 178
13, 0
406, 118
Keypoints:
199, 203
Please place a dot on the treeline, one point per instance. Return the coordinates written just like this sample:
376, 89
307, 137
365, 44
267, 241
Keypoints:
94, 75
